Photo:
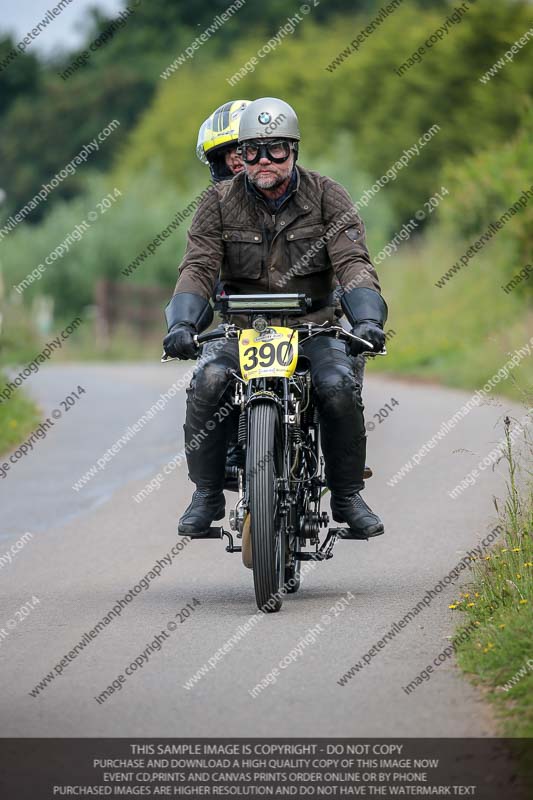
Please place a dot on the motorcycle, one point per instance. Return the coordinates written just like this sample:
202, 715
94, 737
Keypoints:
280, 482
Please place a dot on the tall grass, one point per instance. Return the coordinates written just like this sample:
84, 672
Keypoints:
500, 603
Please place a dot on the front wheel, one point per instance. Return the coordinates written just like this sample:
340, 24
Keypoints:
263, 468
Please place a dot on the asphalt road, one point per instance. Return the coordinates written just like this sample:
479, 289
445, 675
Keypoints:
90, 547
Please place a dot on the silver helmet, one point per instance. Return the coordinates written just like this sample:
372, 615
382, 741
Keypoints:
269, 118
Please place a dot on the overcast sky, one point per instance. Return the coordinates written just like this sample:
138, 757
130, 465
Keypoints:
64, 33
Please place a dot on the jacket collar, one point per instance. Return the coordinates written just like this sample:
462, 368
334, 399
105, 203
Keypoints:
292, 187
293, 190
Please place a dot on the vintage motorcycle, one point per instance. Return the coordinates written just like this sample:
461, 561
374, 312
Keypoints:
280, 481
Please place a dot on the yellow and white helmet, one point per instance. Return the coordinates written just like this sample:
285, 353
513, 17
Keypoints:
219, 131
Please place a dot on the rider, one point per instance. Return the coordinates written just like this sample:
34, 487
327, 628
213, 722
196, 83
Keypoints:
217, 146
277, 227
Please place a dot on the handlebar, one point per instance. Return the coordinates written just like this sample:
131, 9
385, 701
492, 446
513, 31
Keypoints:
311, 328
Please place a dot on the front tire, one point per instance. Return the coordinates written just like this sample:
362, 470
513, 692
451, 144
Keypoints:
263, 468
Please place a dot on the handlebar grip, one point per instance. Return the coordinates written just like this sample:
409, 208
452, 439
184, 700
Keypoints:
210, 336
200, 338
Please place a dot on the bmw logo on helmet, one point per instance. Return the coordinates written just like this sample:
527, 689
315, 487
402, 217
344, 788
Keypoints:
264, 117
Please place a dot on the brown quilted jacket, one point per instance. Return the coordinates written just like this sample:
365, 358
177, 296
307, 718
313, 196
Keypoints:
315, 237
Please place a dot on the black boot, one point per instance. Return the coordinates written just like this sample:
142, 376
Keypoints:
206, 505
359, 517
343, 440
206, 453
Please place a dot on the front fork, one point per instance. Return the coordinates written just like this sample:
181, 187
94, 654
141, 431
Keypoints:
299, 520
303, 495
243, 393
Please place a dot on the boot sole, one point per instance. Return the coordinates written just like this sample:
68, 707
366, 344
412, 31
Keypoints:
351, 533
189, 530
359, 531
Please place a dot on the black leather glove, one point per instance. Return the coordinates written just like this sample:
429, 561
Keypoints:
372, 332
178, 343
367, 313
186, 314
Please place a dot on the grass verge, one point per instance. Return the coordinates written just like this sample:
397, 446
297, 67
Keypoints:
18, 416
499, 602
459, 335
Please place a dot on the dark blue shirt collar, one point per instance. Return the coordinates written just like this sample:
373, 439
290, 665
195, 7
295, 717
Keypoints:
274, 205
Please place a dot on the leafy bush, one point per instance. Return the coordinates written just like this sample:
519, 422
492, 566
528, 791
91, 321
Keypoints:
381, 113
484, 186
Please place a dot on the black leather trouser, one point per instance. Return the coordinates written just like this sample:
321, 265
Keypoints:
336, 379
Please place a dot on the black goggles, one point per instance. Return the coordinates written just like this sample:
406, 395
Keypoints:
276, 151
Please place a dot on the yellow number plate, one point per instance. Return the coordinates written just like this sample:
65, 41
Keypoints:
270, 354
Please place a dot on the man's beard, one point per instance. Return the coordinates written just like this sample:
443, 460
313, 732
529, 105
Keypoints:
271, 181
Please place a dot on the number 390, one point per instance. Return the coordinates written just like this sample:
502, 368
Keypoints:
267, 353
